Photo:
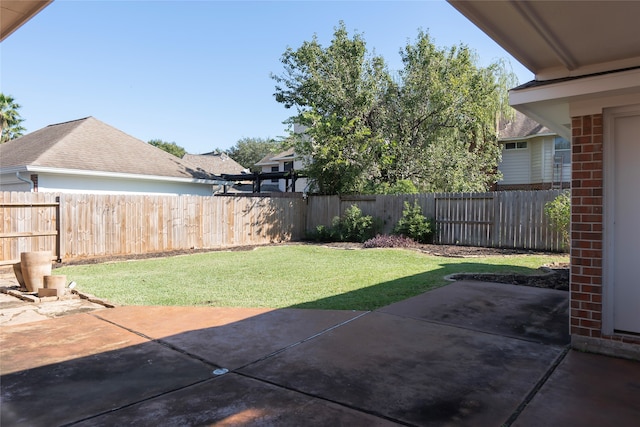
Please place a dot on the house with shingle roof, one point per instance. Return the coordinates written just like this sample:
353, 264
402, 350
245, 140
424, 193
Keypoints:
89, 156
282, 162
215, 163
533, 156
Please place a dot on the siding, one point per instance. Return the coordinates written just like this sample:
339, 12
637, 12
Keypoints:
515, 167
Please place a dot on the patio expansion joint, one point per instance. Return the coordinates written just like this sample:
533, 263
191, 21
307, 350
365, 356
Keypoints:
137, 402
238, 372
295, 344
161, 342
536, 388
325, 399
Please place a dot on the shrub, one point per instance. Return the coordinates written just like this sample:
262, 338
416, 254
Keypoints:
389, 241
320, 234
413, 224
351, 227
559, 212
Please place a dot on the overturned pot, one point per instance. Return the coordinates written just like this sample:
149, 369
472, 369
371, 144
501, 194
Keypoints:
34, 266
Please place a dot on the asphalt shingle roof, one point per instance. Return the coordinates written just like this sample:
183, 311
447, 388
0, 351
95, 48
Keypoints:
521, 126
91, 145
214, 163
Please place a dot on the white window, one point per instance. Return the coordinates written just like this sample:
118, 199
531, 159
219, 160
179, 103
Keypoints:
562, 149
520, 145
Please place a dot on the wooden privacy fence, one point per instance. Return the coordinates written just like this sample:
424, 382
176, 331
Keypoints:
503, 219
29, 222
106, 225
85, 225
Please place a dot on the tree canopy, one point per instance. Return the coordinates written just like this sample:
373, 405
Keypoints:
431, 124
10, 120
249, 151
169, 147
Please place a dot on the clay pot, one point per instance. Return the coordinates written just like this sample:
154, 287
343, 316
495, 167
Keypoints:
17, 270
56, 282
34, 266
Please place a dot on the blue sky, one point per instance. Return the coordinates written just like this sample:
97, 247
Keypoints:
198, 72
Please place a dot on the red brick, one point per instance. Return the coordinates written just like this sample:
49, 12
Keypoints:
596, 119
592, 218
580, 313
592, 183
594, 324
583, 157
585, 280
589, 289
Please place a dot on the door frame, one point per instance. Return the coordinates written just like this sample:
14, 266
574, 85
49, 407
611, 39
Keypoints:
609, 203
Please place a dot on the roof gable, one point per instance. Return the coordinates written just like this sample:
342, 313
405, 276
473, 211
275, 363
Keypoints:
91, 145
214, 163
521, 127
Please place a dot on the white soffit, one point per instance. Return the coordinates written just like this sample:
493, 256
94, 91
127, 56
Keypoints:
557, 39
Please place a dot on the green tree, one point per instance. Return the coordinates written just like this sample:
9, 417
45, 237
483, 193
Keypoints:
169, 147
432, 124
441, 118
249, 151
337, 93
10, 120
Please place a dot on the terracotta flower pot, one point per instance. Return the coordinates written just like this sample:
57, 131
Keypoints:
34, 266
56, 282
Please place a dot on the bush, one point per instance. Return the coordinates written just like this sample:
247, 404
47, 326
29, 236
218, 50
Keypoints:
320, 234
413, 224
351, 227
389, 241
559, 212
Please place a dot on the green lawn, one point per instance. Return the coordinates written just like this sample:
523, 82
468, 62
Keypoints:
286, 276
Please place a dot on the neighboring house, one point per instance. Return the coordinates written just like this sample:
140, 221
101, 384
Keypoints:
533, 156
282, 162
586, 61
215, 163
219, 164
89, 156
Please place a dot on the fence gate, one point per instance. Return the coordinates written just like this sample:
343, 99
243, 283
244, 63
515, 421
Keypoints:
464, 219
29, 226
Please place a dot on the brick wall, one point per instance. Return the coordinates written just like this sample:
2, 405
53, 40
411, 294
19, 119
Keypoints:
586, 229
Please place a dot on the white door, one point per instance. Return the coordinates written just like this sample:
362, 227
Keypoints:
623, 259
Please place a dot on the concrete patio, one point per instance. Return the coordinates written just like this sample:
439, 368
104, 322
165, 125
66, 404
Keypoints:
469, 353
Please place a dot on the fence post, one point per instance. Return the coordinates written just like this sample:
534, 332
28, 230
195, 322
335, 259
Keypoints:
59, 228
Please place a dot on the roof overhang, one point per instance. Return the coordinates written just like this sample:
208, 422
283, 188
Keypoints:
100, 174
14, 13
585, 54
554, 103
